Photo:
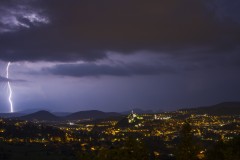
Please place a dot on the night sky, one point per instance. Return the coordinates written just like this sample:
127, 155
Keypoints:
115, 55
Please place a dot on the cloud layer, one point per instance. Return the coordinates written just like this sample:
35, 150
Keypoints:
90, 69
161, 52
87, 30
4, 80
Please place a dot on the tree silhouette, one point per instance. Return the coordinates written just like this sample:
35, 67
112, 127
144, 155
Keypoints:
187, 149
131, 149
225, 150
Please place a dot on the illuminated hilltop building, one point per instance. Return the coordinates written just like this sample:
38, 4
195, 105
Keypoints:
133, 117
132, 120
135, 120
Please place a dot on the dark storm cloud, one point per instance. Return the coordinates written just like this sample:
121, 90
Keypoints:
225, 10
91, 69
60, 30
154, 66
4, 80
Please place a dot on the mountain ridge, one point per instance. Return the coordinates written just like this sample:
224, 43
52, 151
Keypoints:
41, 115
44, 115
224, 108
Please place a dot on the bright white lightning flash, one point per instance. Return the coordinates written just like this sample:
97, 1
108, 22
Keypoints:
9, 88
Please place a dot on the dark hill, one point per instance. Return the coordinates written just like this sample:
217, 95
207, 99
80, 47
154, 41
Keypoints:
123, 123
41, 116
225, 108
92, 114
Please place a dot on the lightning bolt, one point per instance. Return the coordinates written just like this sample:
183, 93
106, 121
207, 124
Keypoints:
9, 88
